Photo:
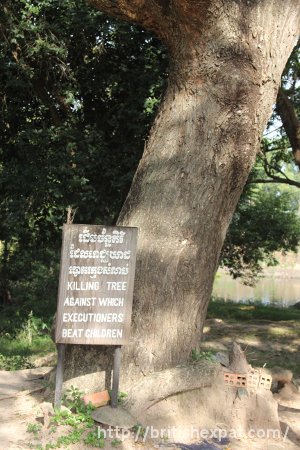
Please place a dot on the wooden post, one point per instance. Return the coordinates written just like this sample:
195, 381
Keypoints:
61, 347
59, 374
116, 377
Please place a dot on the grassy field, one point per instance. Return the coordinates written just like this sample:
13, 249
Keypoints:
22, 341
231, 311
19, 353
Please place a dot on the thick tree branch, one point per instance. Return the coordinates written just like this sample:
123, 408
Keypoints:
275, 180
153, 15
272, 131
166, 18
274, 149
291, 123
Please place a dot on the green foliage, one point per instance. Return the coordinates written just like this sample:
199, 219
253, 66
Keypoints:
49, 446
71, 438
41, 345
116, 442
20, 341
73, 128
74, 414
65, 417
78, 413
122, 397
52, 120
266, 221
139, 430
200, 356
32, 327
72, 399
15, 362
92, 439
34, 428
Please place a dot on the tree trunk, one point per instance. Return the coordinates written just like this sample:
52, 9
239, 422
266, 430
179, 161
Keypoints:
226, 59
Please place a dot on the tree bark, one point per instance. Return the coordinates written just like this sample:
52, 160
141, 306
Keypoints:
226, 59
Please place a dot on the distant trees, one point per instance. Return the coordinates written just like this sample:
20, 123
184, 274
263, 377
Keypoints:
266, 221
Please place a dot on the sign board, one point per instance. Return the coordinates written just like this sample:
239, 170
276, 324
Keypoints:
96, 285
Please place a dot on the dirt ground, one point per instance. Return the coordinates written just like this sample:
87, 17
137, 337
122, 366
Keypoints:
21, 392
265, 343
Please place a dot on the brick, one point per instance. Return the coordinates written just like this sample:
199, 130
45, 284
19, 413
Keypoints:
97, 399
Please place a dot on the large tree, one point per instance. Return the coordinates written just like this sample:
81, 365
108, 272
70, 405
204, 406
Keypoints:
61, 122
226, 60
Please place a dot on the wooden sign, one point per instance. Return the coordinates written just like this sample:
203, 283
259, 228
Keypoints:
96, 285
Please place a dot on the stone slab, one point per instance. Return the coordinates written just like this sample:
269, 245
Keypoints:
115, 417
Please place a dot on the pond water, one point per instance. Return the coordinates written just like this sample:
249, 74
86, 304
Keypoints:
282, 292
